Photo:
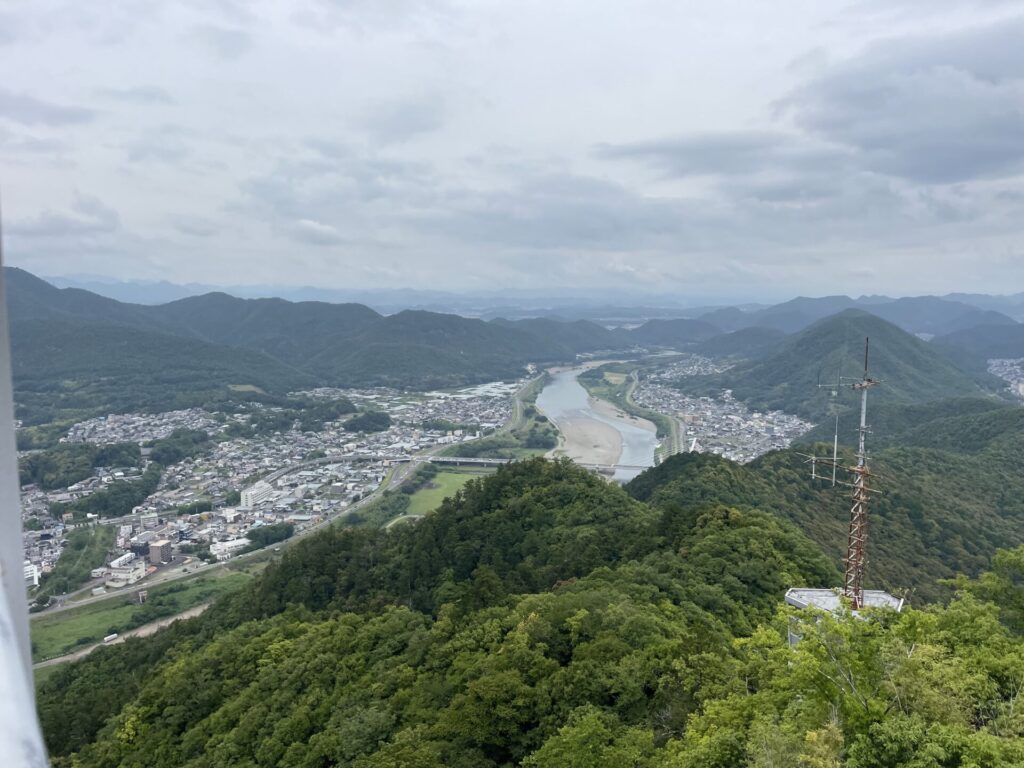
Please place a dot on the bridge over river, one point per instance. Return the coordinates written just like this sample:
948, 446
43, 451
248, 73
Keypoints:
456, 461
459, 461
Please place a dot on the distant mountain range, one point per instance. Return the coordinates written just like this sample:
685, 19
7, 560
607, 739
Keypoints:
607, 308
290, 342
72, 345
926, 315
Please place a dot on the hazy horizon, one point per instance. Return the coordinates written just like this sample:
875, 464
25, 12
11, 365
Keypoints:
486, 302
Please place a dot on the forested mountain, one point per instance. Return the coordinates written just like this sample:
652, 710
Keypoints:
45, 351
543, 618
931, 315
747, 343
573, 336
1012, 304
917, 314
959, 425
728, 318
286, 330
972, 348
673, 333
912, 371
416, 348
67, 369
351, 345
945, 506
796, 314
29, 298
89, 341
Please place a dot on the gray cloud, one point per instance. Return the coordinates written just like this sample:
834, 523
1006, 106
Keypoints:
554, 212
223, 42
314, 232
18, 143
194, 226
8, 28
404, 120
934, 110
728, 153
371, 16
140, 94
86, 216
28, 110
450, 143
164, 144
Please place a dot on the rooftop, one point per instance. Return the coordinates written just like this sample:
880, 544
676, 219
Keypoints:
831, 599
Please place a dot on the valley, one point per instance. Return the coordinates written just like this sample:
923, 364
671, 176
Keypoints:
236, 504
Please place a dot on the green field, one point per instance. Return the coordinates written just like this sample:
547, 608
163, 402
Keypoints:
56, 634
445, 484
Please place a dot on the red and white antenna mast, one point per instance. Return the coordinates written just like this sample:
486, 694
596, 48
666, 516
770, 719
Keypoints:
857, 540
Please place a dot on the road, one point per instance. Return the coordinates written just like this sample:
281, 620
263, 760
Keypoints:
673, 443
144, 631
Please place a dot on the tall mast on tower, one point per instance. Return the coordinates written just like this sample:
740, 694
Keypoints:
857, 540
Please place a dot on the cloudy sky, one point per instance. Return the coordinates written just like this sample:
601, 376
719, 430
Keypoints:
734, 147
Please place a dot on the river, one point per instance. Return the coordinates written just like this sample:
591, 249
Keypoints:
593, 431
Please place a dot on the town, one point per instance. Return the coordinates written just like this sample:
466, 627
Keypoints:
720, 424
216, 504
1012, 372
251, 489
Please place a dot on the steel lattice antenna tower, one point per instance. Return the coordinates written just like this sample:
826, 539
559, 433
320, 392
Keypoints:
857, 539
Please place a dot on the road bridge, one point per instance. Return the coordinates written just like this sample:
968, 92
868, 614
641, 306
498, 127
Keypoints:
472, 461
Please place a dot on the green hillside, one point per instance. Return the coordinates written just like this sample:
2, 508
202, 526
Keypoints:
961, 425
70, 463
932, 315
914, 314
747, 343
796, 314
427, 349
289, 331
72, 369
911, 371
972, 348
30, 298
542, 617
272, 343
952, 494
573, 336
680, 332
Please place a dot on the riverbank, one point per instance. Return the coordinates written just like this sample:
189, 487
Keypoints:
611, 411
587, 441
593, 431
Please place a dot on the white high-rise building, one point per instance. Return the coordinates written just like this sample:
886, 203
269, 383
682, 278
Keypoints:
255, 494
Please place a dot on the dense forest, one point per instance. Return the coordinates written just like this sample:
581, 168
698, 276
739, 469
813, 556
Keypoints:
69, 463
949, 496
86, 548
544, 617
122, 496
368, 421
788, 379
